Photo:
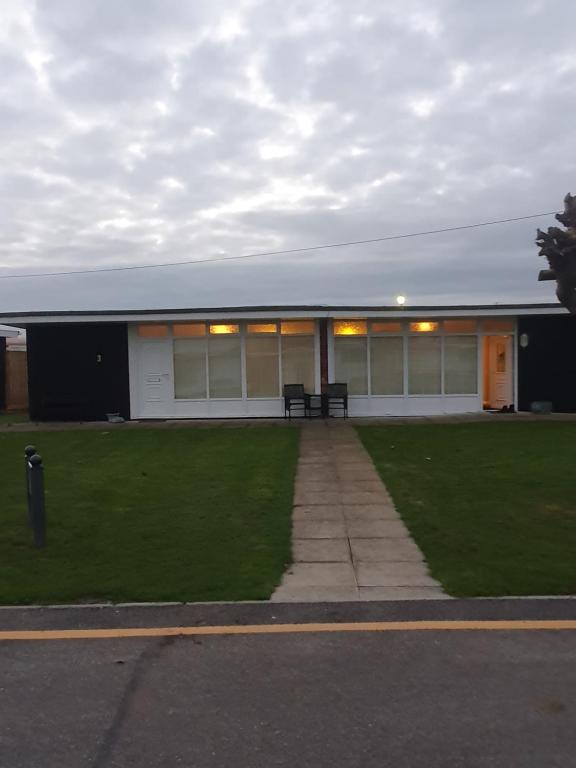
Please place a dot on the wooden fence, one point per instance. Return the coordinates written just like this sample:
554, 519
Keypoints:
16, 381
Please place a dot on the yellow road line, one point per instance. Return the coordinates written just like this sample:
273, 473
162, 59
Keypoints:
280, 629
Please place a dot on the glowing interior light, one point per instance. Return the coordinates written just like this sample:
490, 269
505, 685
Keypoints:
350, 327
217, 329
423, 327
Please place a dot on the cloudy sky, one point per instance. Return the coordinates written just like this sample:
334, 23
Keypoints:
144, 131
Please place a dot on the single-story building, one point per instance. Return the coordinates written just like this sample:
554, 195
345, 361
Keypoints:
232, 362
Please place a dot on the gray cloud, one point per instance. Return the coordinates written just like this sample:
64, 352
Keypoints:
155, 130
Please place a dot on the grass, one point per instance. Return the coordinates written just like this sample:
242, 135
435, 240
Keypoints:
145, 515
492, 506
14, 417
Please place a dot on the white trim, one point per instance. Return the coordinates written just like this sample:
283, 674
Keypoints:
248, 315
243, 365
515, 363
317, 362
442, 360
368, 362
133, 374
208, 407
480, 369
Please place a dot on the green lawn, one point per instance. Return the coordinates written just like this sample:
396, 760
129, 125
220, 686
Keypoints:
14, 417
493, 506
148, 514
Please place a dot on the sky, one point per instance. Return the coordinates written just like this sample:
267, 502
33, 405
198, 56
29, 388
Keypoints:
148, 131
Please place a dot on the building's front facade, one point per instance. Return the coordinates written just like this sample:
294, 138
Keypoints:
233, 363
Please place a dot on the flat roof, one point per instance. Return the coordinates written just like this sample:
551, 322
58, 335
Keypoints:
7, 332
23, 319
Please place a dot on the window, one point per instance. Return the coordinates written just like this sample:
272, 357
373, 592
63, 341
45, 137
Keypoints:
459, 326
262, 373
223, 329
297, 327
224, 364
387, 365
461, 365
298, 361
189, 368
498, 325
185, 330
424, 326
350, 327
424, 365
150, 331
386, 327
351, 363
262, 328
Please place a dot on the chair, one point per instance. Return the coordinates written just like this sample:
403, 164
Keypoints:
294, 398
337, 396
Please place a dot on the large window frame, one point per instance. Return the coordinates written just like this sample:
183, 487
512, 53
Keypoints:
405, 329
310, 331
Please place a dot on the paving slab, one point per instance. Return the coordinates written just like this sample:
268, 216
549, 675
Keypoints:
315, 459
321, 550
321, 485
377, 529
349, 462
358, 474
318, 512
320, 575
312, 455
401, 593
316, 474
370, 512
393, 575
385, 551
349, 455
365, 497
307, 498
315, 595
354, 487
318, 529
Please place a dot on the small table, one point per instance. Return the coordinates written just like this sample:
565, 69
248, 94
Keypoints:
318, 406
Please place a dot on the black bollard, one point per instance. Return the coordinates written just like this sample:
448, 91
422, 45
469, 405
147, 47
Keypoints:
29, 451
37, 505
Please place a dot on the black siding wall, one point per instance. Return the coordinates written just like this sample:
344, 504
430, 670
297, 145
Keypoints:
547, 366
2, 373
78, 372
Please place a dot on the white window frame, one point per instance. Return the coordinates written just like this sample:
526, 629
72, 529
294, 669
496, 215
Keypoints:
243, 334
405, 333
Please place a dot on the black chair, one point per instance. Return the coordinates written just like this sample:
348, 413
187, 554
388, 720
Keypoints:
337, 397
294, 399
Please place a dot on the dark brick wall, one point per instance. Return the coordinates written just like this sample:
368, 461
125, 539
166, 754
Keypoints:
2, 373
78, 372
547, 366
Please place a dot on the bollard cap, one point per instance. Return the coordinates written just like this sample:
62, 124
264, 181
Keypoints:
30, 450
35, 460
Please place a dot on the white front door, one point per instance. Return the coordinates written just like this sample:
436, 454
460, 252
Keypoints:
501, 371
155, 377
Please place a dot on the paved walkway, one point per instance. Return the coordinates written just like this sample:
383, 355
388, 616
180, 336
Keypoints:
348, 541
6, 425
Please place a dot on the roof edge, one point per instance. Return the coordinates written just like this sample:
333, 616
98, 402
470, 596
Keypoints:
281, 308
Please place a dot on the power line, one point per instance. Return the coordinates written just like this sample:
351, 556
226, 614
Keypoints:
276, 253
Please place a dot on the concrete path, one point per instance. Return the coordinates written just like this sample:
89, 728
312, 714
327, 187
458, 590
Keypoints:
348, 540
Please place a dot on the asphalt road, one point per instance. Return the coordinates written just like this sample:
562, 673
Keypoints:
424, 698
